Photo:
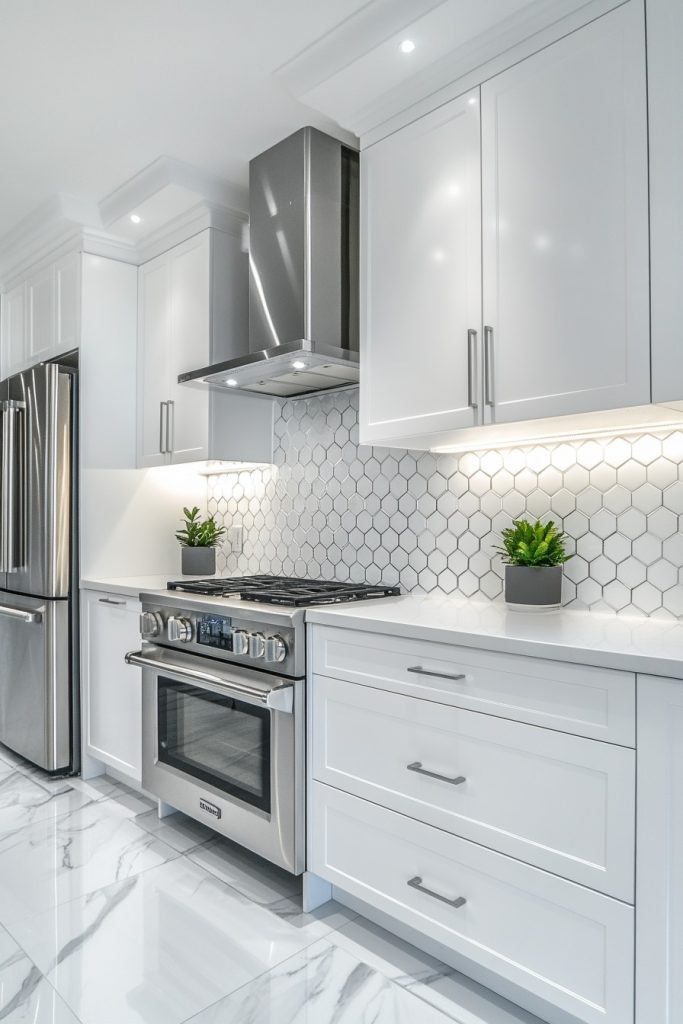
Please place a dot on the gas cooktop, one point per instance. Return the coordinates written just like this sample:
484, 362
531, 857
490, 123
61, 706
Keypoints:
284, 590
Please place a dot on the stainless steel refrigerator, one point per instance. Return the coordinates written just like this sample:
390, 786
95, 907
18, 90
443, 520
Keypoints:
38, 559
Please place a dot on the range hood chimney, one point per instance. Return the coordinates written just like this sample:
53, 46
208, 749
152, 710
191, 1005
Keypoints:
303, 272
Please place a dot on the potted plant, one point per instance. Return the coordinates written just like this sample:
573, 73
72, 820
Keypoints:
534, 554
199, 538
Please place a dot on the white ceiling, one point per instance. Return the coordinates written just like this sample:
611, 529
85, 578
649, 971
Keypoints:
91, 91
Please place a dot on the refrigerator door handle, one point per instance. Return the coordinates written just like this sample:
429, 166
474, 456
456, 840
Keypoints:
20, 615
12, 488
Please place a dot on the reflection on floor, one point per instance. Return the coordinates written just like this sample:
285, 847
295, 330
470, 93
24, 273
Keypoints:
110, 916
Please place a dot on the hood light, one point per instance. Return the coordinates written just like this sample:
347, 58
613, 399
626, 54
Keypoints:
231, 382
135, 218
298, 364
407, 46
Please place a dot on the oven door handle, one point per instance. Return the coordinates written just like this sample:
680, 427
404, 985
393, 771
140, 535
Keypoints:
278, 697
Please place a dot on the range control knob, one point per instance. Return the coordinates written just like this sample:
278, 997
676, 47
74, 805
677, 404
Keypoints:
179, 629
276, 649
151, 624
240, 641
257, 644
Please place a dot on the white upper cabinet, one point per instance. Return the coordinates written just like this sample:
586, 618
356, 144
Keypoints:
659, 852
548, 264
665, 99
13, 332
192, 311
565, 225
41, 316
421, 253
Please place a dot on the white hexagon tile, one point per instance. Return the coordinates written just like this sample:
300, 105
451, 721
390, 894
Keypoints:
332, 508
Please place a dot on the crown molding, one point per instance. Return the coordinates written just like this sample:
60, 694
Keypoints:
67, 224
166, 171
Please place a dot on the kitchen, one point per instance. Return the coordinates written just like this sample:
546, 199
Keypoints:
307, 714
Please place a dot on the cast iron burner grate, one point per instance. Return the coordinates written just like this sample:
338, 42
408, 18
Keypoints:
284, 590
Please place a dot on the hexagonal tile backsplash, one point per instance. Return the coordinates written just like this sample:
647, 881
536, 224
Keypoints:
335, 509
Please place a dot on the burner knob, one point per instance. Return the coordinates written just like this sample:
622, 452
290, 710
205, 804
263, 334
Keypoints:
151, 624
276, 649
240, 641
257, 644
179, 629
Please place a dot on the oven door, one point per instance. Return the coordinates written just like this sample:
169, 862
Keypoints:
225, 745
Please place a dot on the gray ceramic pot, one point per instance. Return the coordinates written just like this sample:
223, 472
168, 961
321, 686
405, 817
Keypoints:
198, 561
533, 587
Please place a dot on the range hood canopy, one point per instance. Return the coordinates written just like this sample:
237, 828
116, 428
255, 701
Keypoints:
303, 272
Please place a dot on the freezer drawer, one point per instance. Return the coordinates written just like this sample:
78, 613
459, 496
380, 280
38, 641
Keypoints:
35, 707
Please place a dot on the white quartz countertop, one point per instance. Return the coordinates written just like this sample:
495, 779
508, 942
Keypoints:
608, 641
134, 585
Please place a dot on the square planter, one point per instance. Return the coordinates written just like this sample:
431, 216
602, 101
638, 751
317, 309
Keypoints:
533, 587
198, 561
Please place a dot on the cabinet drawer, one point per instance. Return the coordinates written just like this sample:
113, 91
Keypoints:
563, 803
565, 944
594, 702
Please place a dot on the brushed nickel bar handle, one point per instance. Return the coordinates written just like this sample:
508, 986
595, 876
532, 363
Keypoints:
170, 427
109, 600
489, 396
163, 419
438, 675
416, 766
472, 369
416, 883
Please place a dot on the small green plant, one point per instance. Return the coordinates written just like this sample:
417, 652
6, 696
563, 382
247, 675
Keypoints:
538, 544
198, 532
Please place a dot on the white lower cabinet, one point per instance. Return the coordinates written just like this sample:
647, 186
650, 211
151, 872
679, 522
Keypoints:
563, 943
563, 803
112, 690
485, 803
659, 883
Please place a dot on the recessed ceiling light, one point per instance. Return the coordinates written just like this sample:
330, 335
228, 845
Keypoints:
407, 46
231, 382
135, 218
298, 364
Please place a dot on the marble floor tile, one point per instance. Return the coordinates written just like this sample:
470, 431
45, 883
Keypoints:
322, 985
179, 831
25, 995
23, 801
445, 988
158, 947
58, 859
251, 875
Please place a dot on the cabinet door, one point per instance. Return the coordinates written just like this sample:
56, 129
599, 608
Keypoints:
111, 689
565, 225
421, 277
154, 357
659, 852
40, 294
68, 302
190, 281
13, 330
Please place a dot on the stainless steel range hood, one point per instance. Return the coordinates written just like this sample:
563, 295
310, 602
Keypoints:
303, 272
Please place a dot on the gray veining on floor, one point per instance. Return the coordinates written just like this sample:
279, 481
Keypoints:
109, 915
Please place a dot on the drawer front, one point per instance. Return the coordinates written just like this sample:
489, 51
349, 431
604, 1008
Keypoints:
566, 944
594, 702
563, 803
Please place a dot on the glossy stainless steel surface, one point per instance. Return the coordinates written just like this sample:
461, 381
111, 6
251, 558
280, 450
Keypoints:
251, 687
279, 835
37, 511
303, 271
35, 679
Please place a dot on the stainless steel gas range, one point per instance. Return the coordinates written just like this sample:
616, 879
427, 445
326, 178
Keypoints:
223, 704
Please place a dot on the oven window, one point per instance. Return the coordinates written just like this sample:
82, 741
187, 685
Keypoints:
217, 739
